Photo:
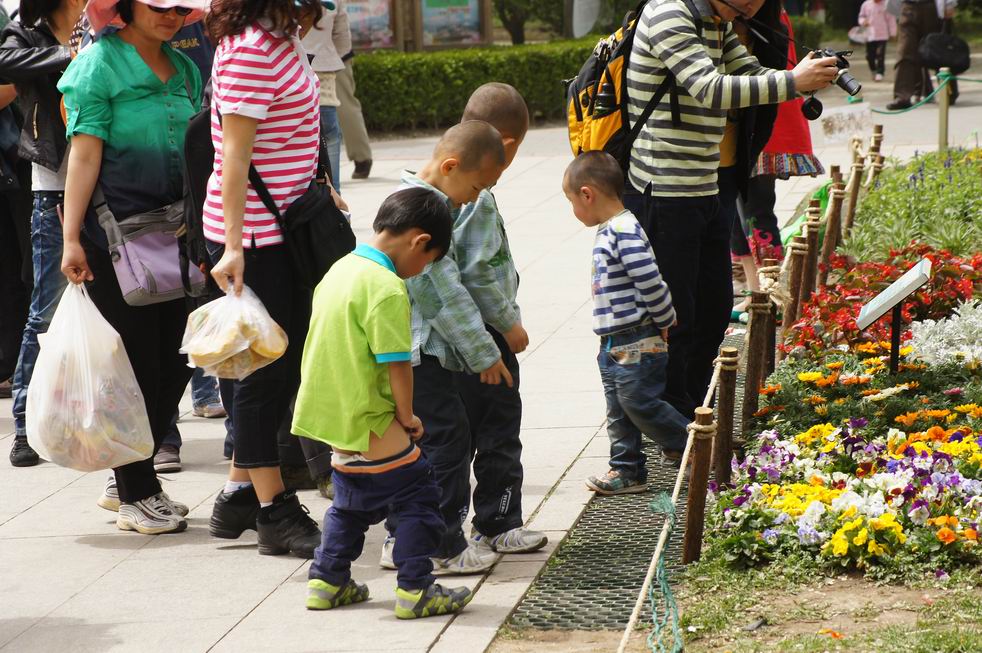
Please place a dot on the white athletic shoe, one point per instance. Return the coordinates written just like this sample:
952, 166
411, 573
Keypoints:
472, 560
151, 516
110, 495
517, 540
110, 499
385, 562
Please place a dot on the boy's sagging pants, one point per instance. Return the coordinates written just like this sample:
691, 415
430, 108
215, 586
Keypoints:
633, 372
462, 416
365, 493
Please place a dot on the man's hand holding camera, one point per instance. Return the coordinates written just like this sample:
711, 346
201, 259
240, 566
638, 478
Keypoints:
813, 73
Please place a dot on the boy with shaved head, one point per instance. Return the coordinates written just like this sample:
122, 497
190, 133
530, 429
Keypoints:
466, 409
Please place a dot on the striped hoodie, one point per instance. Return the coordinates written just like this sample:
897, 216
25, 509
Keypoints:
713, 74
627, 288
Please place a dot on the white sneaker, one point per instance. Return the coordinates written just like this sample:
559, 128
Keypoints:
517, 540
110, 495
110, 499
176, 506
472, 560
877, 77
385, 562
151, 516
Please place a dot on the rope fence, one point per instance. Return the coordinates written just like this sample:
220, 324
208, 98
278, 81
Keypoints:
943, 80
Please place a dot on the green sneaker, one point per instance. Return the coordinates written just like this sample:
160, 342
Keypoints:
431, 602
324, 596
613, 483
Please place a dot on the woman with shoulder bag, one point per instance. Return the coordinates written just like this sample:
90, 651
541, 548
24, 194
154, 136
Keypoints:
265, 116
128, 98
33, 55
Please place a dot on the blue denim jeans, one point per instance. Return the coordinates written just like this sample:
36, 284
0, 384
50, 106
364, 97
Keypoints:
49, 282
331, 130
634, 392
204, 392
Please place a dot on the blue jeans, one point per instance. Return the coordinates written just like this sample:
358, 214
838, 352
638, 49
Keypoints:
634, 404
204, 392
49, 282
331, 130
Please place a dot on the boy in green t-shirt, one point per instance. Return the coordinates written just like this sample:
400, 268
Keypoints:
356, 395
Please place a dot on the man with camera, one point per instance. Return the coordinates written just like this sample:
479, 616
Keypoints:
672, 178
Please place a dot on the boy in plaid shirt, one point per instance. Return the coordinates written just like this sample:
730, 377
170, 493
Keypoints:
466, 333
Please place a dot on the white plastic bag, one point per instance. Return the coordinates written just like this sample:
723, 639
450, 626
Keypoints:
233, 336
84, 407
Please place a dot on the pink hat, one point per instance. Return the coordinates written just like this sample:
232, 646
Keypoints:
103, 12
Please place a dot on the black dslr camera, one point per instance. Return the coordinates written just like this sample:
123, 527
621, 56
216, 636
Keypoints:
812, 107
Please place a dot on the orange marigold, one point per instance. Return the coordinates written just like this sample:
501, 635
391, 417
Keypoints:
908, 419
947, 535
770, 390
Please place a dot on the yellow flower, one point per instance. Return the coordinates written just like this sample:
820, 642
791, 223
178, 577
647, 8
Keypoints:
875, 549
966, 408
837, 365
853, 525
906, 351
819, 431
840, 545
809, 377
849, 513
861, 537
867, 348
885, 521
822, 410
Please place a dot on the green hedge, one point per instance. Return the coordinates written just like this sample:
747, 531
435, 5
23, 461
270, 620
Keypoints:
410, 90
807, 34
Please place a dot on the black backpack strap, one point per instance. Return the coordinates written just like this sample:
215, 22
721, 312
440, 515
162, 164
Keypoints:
667, 83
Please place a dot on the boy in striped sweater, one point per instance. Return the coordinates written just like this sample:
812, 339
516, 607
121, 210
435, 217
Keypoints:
632, 313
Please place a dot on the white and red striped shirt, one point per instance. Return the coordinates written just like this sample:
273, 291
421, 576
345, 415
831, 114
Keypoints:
266, 77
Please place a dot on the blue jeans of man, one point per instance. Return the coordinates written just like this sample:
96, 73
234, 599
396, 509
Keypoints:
635, 406
691, 240
360, 500
331, 132
49, 282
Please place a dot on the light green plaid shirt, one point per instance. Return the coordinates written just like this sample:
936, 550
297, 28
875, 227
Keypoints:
446, 322
486, 266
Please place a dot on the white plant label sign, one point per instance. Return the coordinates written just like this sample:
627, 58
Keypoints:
839, 124
913, 279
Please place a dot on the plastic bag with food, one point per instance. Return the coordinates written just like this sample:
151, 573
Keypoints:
233, 336
84, 407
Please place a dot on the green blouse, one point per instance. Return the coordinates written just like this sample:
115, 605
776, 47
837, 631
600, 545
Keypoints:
112, 94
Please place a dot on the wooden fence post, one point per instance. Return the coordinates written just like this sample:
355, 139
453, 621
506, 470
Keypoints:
876, 167
695, 517
726, 410
756, 354
855, 183
796, 250
772, 275
810, 274
833, 231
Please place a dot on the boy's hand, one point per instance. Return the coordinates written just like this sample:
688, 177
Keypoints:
413, 426
517, 338
664, 332
497, 373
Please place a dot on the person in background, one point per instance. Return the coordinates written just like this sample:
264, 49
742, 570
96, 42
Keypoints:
918, 18
33, 55
353, 130
881, 26
324, 42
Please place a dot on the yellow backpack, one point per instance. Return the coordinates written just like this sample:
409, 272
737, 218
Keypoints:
596, 99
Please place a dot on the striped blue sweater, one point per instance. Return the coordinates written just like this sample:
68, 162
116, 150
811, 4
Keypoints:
627, 288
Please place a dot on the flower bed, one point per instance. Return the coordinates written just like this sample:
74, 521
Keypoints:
829, 318
861, 468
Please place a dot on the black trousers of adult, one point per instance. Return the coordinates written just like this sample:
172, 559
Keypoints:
691, 240
15, 287
152, 336
298, 451
260, 402
917, 20
494, 413
876, 52
756, 231
446, 443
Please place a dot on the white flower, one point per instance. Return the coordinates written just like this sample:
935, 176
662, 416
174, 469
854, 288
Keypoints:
954, 339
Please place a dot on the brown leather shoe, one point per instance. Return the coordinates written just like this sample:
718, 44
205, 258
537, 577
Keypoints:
362, 169
6, 389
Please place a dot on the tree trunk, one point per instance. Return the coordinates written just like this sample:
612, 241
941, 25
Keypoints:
513, 18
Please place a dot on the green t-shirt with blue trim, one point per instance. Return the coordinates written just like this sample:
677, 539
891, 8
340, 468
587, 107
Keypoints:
360, 322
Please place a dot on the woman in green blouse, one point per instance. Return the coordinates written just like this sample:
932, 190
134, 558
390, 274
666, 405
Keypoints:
128, 98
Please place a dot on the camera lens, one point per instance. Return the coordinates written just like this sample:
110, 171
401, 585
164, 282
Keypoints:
848, 83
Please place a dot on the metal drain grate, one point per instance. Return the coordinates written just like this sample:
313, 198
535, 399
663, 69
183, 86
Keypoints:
593, 579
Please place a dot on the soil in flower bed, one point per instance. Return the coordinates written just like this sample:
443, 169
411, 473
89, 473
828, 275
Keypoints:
782, 608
